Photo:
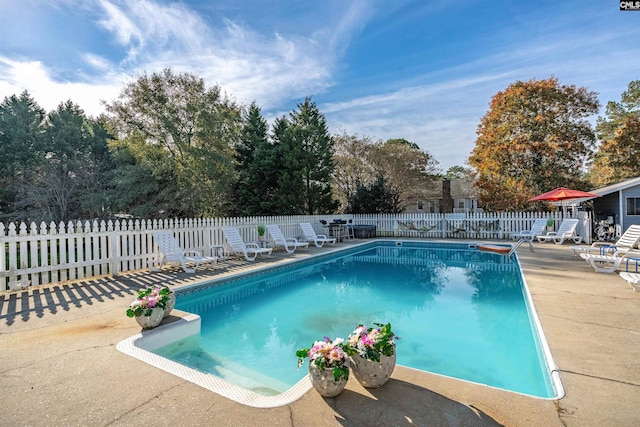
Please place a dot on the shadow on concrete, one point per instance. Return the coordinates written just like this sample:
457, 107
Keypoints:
399, 403
37, 301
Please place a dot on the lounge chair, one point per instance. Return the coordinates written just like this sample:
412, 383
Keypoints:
171, 252
632, 278
608, 263
311, 236
625, 243
238, 246
566, 231
537, 229
288, 243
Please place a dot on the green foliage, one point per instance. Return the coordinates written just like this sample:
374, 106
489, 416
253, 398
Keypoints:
65, 180
326, 354
149, 298
376, 197
534, 137
182, 133
295, 168
371, 343
313, 147
21, 127
251, 167
619, 135
457, 172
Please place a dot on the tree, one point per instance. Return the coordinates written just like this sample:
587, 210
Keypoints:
376, 197
252, 167
302, 155
353, 167
67, 184
534, 137
21, 128
457, 172
315, 147
182, 133
619, 135
408, 171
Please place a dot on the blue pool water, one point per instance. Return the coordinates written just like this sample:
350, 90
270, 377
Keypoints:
458, 311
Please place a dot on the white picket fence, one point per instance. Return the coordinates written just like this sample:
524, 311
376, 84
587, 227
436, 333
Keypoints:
37, 255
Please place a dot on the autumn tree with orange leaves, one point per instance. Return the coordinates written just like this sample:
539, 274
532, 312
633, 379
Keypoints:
535, 137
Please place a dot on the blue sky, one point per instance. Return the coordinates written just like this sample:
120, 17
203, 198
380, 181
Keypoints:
421, 70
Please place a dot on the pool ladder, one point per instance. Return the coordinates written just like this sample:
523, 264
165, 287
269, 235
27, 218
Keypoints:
517, 245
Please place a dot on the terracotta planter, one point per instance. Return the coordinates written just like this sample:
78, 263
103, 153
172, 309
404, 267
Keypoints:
323, 382
149, 322
372, 374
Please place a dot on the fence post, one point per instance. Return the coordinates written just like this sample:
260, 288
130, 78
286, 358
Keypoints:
114, 244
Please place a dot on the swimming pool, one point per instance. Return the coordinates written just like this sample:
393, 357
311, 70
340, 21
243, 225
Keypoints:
459, 312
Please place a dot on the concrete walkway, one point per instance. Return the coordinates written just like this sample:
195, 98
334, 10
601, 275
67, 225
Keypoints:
59, 365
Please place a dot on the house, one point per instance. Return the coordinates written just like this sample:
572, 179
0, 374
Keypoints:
618, 204
451, 196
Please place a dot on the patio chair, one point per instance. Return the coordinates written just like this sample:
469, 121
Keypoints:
537, 229
625, 243
311, 236
632, 278
566, 231
288, 243
609, 263
171, 252
249, 250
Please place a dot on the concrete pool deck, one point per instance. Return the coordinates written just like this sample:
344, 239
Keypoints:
59, 364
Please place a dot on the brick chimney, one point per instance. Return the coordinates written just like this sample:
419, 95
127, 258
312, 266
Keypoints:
446, 203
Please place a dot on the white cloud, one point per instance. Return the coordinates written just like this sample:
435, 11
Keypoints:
267, 68
32, 76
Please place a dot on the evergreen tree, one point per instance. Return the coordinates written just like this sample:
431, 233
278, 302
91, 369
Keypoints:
60, 187
251, 185
376, 197
289, 197
314, 146
21, 128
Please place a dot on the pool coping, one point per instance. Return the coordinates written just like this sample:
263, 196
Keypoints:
141, 345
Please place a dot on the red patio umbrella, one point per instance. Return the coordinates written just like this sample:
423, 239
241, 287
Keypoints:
562, 193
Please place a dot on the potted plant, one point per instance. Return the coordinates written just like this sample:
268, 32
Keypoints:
328, 366
151, 305
550, 222
372, 353
261, 231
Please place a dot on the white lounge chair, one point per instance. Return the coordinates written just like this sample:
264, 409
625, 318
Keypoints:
537, 229
608, 263
625, 243
632, 278
171, 252
288, 243
566, 231
311, 236
238, 246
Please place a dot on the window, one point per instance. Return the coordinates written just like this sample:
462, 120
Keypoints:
633, 205
419, 206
